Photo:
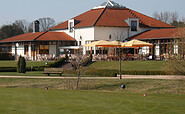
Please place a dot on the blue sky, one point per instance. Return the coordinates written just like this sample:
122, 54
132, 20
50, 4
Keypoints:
62, 10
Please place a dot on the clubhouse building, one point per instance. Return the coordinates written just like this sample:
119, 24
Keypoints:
110, 21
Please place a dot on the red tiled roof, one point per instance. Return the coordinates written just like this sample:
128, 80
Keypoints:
111, 17
158, 34
61, 26
55, 36
23, 37
40, 36
85, 19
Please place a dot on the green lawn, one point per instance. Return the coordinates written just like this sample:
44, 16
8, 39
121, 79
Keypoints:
28, 63
35, 101
130, 65
93, 96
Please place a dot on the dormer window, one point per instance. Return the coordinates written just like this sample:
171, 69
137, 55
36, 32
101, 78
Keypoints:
71, 27
133, 25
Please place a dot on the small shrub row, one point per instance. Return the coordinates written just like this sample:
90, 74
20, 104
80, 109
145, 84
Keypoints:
8, 69
14, 69
103, 73
93, 72
36, 68
113, 73
58, 62
139, 72
6, 56
87, 61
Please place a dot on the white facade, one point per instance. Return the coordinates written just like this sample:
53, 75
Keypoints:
20, 50
110, 33
52, 50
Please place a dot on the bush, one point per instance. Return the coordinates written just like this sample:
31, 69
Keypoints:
58, 63
8, 69
21, 65
36, 68
6, 56
87, 61
175, 67
113, 73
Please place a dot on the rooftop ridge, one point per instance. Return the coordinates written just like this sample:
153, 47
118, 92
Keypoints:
109, 4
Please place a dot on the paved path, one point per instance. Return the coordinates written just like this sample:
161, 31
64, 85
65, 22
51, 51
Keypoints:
123, 77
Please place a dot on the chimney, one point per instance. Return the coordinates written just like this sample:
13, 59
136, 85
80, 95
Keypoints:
36, 26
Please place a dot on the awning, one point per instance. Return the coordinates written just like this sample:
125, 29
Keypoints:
69, 47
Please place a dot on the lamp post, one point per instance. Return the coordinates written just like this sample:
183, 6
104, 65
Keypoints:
16, 46
120, 60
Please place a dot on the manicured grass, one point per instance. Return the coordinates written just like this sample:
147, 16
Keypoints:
28, 63
150, 86
94, 96
35, 101
130, 65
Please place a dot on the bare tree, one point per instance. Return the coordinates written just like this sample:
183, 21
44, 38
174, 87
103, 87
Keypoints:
163, 16
46, 23
174, 16
78, 64
167, 17
23, 24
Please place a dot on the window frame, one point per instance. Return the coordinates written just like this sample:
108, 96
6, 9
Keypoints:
134, 26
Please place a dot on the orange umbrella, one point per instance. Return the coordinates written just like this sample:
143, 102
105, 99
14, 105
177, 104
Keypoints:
136, 43
111, 44
96, 43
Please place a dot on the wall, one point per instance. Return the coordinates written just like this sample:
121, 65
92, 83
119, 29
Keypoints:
103, 33
52, 50
20, 50
139, 30
13, 49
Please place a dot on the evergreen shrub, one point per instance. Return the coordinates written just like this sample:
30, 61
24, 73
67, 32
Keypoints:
21, 65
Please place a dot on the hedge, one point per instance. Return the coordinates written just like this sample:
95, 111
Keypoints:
8, 69
92, 72
113, 73
58, 62
6, 56
14, 69
87, 61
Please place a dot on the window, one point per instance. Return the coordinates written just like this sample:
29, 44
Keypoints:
80, 37
26, 49
44, 49
80, 43
175, 49
110, 37
133, 25
71, 27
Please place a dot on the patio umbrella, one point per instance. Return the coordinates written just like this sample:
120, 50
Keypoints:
96, 43
111, 44
136, 43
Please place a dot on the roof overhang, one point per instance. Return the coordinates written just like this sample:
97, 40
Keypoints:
69, 47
